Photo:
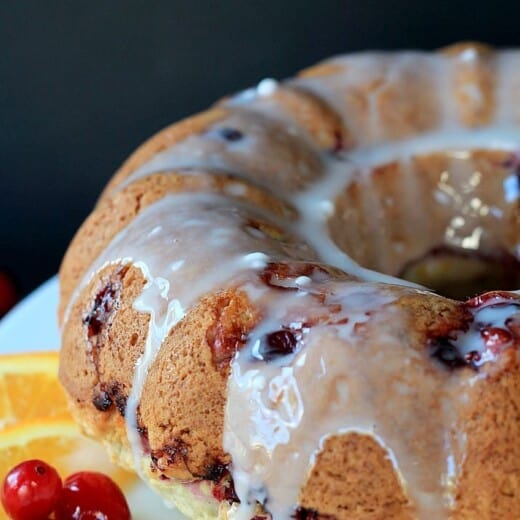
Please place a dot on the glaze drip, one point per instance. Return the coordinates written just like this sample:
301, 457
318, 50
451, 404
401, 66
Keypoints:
329, 384
328, 356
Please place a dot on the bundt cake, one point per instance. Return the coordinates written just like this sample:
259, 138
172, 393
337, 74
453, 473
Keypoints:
301, 303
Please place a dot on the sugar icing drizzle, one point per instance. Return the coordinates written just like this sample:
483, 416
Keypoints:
281, 410
277, 419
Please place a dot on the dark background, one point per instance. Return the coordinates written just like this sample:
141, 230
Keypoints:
83, 83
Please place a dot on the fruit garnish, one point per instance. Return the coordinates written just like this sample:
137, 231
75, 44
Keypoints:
35, 422
31, 491
59, 442
90, 495
8, 293
29, 387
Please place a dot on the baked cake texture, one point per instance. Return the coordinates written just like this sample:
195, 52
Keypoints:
236, 321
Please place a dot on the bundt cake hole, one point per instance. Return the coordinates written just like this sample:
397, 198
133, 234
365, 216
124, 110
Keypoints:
448, 221
460, 274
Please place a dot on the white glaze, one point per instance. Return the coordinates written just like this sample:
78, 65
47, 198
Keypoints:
178, 270
208, 248
495, 319
512, 188
267, 87
330, 386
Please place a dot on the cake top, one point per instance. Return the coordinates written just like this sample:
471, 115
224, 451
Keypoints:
316, 172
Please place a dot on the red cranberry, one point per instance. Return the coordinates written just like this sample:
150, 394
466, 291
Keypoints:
447, 353
513, 324
303, 513
513, 162
494, 338
8, 293
492, 298
104, 304
339, 144
223, 488
31, 491
231, 134
89, 495
277, 344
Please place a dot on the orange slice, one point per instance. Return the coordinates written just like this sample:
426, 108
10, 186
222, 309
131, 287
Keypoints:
29, 387
35, 422
58, 442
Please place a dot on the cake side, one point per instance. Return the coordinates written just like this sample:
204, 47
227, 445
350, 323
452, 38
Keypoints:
201, 271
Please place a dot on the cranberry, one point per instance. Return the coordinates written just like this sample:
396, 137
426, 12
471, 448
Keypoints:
494, 338
231, 134
339, 144
89, 495
31, 491
104, 304
277, 344
8, 293
492, 298
223, 488
513, 162
448, 354
513, 324
303, 513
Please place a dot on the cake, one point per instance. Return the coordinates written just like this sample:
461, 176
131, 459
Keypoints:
301, 303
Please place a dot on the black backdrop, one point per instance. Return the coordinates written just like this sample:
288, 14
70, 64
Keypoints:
83, 83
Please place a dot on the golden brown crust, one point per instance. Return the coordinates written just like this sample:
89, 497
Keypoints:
162, 140
352, 479
114, 212
374, 107
185, 426
376, 208
325, 68
474, 83
105, 336
102, 342
181, 411
489, 483
312, 114
473, 46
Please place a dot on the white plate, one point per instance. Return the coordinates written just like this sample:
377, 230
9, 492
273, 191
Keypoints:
31, 326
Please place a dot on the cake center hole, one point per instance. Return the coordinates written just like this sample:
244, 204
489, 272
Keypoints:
460, 274
449, 221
